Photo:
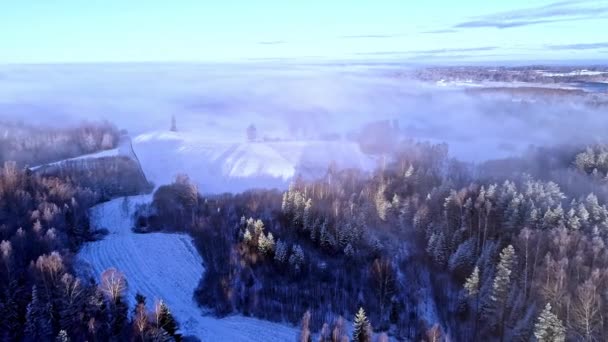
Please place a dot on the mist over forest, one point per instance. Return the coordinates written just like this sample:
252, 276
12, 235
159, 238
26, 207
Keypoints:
291, 101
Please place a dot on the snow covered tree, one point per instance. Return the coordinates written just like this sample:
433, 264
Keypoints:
549, 328
280, 255
382, 205
247, 237
500, 288
62, 336
296, 259
349, 251
165, 320
361, 327
472, 283
586, 313
266, 244
308, 222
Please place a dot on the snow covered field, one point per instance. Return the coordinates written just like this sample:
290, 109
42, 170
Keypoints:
168, 267
229, 166
107, 153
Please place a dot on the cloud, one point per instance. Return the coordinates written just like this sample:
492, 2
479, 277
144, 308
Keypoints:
430, 52
364, 36
580, 46
272, 42
439, 31
555, 12
473, 49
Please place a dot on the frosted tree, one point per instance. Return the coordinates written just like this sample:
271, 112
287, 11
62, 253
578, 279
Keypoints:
471, 285
586, 314
349, 251
308, 222
361, 327
501, 286
266, 244
140, 317
549, 328
165, 319
382, 205
247, 237
107, 142
296, 259
62, 336
280, 254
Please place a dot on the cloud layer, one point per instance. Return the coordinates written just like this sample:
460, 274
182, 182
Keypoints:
555, 12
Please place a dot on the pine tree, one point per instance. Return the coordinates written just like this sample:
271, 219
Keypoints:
472, 283
38, 320
501, 286
549, 328
297, 258
502, 281
166, 321
361, 327
280, 254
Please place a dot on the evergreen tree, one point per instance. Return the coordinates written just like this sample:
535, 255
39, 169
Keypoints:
549, 328
472, 283
361, 327
280, 254
38, 325
500, 288
166, 321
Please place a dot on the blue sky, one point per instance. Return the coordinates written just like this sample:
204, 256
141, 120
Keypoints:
64, 31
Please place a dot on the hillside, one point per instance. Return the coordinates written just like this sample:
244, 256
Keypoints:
227, 166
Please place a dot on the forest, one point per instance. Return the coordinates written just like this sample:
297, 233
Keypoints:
425, 247
43, 222
502, 250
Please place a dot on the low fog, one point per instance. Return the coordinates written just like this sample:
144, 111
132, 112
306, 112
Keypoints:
287, 101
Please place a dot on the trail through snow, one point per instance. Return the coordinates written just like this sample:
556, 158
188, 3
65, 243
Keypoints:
168, 267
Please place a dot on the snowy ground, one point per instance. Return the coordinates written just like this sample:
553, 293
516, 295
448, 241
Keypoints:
168, 267
107, 153
229, 166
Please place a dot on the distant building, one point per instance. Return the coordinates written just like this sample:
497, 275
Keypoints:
173, 124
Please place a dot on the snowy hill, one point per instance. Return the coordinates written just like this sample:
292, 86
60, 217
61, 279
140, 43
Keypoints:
227, 166
168, 267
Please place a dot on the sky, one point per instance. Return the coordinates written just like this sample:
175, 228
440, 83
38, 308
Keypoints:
75, 31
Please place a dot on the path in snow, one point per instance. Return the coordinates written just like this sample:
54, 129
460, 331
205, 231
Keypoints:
168, 267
